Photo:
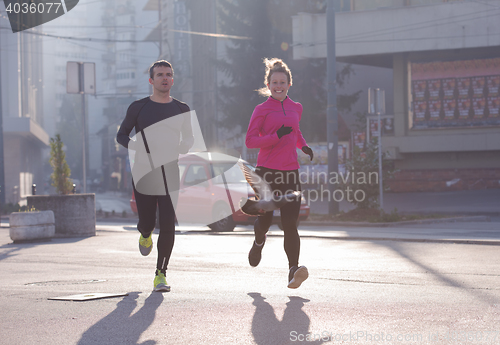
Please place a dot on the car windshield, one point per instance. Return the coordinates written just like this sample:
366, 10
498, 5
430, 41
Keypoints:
232, 173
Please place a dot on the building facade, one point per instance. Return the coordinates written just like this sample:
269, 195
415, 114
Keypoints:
123, 74
21, 100
186, 35
446, 72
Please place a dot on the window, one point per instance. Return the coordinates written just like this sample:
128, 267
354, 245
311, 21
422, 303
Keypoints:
196, 175
182, 168
232, 173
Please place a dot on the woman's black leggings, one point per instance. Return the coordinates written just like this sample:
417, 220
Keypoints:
282, 182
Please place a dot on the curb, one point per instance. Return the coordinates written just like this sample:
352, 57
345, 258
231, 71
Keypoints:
117, 219
402, 239
331, 236
407, 222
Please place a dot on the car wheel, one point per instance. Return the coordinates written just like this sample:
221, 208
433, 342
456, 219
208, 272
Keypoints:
281, 225
225, 222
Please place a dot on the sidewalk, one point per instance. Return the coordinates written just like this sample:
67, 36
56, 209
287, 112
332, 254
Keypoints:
467, 202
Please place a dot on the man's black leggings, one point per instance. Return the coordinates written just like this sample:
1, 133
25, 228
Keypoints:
146, 209
282, 182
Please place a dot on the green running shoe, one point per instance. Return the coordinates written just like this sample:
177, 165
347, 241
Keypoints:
145, 245
160, 282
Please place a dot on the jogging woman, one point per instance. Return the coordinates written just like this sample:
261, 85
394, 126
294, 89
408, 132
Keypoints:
274, 129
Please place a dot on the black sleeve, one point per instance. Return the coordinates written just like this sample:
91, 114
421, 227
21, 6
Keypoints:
183, 106
122, 137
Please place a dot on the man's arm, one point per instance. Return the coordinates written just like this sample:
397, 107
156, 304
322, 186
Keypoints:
186, 132
122, 137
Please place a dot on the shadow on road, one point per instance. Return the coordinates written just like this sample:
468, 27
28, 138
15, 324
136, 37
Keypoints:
482, 295
5, 254
120, 326
267, 329
11, 249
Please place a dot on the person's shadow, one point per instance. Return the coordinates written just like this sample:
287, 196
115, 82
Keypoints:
120, 327
267, 329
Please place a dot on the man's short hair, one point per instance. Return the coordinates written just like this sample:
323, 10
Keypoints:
158, 63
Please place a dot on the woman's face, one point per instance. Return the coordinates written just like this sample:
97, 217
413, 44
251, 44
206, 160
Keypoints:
279, 85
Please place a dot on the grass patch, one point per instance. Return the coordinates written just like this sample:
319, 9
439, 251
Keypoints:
372, 215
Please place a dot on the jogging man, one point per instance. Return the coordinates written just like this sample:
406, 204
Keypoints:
142, 114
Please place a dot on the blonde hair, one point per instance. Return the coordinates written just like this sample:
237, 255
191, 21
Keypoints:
273, 65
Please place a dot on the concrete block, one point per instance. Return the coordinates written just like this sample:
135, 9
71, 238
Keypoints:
26, 226
74, 214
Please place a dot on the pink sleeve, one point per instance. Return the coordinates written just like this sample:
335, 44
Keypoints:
256, 139
301, 142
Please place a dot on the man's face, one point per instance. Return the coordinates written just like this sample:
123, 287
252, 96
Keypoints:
163, 78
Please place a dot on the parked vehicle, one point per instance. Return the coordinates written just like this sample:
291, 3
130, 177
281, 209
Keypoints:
204, 194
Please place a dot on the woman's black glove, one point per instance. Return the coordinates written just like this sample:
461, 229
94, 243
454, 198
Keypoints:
308, 151
284, 131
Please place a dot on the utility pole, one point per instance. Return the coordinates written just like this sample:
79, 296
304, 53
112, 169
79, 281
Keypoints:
160, 20
376, 105
331, 111
80, 79
84, 129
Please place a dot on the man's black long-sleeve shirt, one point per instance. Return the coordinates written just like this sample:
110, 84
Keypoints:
145, 112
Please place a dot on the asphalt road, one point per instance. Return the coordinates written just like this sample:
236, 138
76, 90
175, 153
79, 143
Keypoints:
360, 292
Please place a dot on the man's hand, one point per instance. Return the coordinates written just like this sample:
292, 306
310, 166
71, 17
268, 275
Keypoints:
132, 145
284, 131
308, 151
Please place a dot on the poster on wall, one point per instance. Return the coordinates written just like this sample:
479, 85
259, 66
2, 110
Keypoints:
463, 108
478, 84
387, 122
388, 126
493, 85
463, 87
358, 139
434, 88
478, 87
455, 93
449, 85
449, 107
434, 110
342, 153
493, 107
478, 107
373, 128
420, 111
419, 88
